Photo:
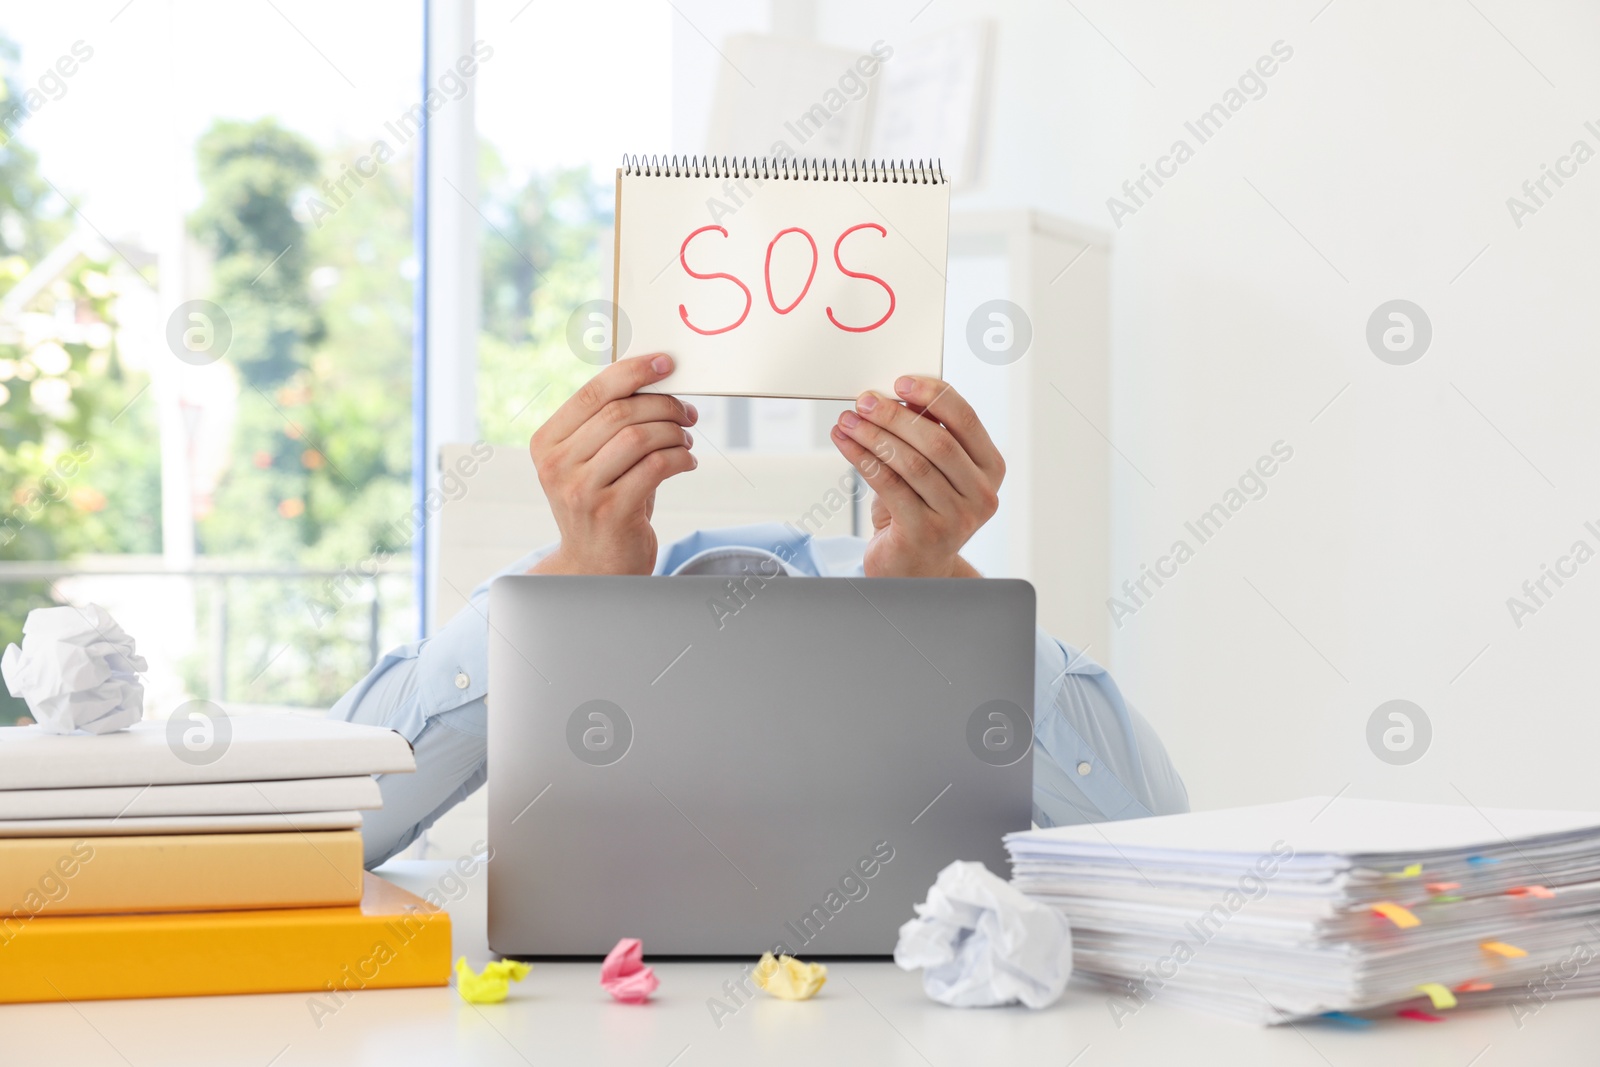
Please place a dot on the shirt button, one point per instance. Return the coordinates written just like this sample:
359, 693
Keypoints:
1083, 768
462, 681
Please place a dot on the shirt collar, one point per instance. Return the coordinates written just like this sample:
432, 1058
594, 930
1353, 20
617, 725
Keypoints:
790, 546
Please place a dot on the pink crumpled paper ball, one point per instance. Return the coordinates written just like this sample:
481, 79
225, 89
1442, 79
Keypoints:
624, 975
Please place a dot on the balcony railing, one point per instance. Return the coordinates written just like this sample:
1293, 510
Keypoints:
332, 592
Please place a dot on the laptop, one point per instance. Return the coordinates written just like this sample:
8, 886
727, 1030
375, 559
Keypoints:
728, 767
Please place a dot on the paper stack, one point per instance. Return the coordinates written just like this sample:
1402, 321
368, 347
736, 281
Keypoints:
130, 866
1327, 906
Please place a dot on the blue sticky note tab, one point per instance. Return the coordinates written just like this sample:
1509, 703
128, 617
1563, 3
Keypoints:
1347, 1019
1479, 861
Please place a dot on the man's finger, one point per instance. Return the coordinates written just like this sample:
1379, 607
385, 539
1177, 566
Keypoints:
630, 445
928, 437
915, 468
591, 437
642, 479
622, 378
942, 402
893, 493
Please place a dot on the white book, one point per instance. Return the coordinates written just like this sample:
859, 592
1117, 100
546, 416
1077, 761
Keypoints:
778, 278
195, 798
238, 748
182, 824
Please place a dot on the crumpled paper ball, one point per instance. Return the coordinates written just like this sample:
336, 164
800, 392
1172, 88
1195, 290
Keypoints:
981, 943
492, 986
77, 670
624, 975
787, 978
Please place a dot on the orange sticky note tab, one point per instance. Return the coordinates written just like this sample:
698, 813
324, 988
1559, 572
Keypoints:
1441, 887
1500, 948
1474, 986
1542, 892
1396, 914
1441, 996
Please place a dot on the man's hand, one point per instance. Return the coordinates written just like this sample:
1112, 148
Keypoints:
600, 458
935, 471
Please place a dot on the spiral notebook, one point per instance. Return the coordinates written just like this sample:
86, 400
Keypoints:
784, 278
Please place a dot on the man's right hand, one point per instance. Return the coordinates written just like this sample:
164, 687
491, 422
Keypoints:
600, 458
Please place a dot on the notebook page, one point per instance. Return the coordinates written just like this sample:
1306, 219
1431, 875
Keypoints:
806, 287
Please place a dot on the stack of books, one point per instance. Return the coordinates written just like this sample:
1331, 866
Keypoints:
134, 866
1327, 907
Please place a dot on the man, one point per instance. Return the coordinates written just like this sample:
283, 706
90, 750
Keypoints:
936, 476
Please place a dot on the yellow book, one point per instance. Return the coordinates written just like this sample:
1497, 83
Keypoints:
54, 876
392, 939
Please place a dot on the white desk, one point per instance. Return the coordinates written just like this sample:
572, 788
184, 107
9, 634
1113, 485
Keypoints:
867, 1013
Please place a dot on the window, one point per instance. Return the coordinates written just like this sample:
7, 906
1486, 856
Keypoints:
206, 292
545, 180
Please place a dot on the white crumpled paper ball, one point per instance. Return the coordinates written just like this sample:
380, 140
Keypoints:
77, 670
981, 943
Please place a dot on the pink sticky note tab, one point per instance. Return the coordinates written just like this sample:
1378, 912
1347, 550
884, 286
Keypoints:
1419, 1015
1542, 892
624, 975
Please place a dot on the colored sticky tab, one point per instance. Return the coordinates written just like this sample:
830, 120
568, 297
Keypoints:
1542, 892
624, 975
1441, 887
1447, 899
1479, 861
1347, 1019
787, 978
1474, 986
1396, 914
1440, 995
1500, 948
1418, 1015
1410, 872
492, 985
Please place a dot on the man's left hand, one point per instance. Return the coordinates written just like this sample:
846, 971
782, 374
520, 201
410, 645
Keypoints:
934, 469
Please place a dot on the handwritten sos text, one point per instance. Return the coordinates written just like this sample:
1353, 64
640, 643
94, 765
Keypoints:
772, 300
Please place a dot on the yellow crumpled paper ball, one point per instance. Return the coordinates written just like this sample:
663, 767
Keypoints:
787, 978
492, 985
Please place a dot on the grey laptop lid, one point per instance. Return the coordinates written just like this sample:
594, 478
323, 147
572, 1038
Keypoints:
788, 775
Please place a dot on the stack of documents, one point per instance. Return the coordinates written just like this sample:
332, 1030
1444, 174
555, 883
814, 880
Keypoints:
236, 871
1327, 906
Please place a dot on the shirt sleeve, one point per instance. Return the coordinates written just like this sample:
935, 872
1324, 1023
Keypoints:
432, 693
1095, 758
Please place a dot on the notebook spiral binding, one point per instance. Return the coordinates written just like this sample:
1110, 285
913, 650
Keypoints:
913, 172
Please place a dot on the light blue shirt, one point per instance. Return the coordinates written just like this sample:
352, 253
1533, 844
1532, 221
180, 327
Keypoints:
1094, 758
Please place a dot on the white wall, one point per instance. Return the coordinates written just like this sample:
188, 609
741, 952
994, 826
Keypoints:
1425, 494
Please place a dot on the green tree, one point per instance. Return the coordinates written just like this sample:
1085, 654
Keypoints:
319, 469
251, 173
541, 256
77, 474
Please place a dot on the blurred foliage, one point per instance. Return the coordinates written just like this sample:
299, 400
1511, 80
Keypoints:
250, 174
317, 281
77, 475
320, 470
32, 218
541, 260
